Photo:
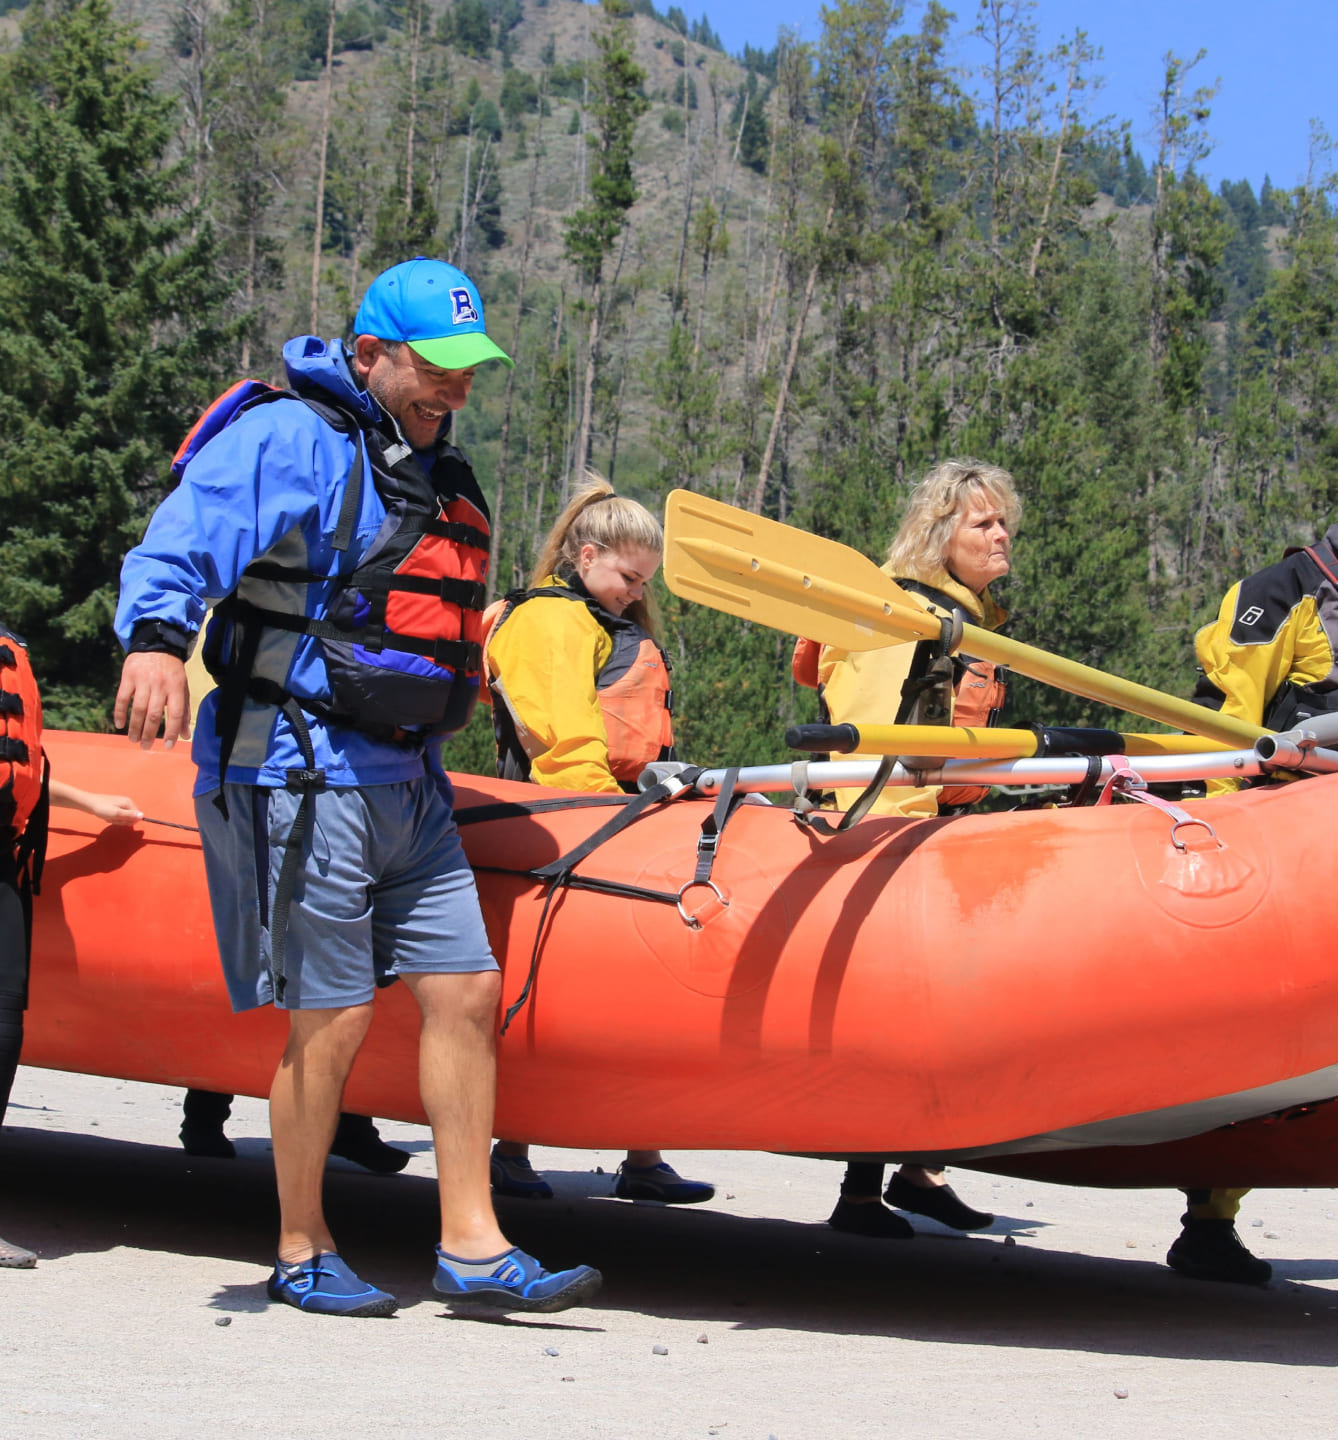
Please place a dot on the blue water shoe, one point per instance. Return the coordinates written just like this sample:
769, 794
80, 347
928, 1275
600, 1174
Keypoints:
324, 1285
511, 1281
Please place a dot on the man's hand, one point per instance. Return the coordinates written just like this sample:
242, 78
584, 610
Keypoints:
153, 692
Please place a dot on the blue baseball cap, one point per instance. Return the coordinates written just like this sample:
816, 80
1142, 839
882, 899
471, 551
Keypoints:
434, 308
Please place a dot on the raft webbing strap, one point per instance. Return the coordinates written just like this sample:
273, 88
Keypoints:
618, 888
516, 809
558, 873
713, 827
805, 811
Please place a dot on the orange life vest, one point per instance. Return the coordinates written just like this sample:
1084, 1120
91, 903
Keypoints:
22, 767
635, 697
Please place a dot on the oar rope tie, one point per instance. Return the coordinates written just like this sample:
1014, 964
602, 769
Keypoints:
806, 812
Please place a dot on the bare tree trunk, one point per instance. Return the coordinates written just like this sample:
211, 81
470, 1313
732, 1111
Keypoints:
320, 175
250, 289
581, 455
1056, 169
460, 256
622, 385
676, 299
415, 37
782, 394
499, 490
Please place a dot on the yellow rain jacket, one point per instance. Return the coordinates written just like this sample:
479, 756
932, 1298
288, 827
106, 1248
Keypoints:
863, 687
545, 664
1271, 656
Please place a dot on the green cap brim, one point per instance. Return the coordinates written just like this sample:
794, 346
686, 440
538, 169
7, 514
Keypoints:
459, 352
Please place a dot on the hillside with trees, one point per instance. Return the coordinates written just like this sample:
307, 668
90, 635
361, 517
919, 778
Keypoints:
791, 279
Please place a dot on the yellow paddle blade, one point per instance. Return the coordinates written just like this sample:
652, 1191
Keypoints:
783, 578
787, 579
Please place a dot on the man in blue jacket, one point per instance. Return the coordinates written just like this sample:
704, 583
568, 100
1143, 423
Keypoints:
345, 542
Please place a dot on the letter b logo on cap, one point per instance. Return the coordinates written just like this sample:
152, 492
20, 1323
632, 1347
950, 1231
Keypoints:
462, 307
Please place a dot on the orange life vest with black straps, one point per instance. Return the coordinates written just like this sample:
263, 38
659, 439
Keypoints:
22, 766
980, 688
636, 699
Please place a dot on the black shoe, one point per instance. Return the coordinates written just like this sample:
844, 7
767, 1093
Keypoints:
356, 1139
873, 1220
660, 1182
938, 1202
207, 1142
1211, 1250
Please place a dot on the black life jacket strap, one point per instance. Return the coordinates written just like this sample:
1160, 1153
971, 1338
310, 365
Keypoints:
30, 853
470, 594
455, 530
307, 782
352, 501
233, 687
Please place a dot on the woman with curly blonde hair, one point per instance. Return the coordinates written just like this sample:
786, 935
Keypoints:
954, 540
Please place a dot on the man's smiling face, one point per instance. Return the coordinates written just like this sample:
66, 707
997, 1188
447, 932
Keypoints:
420, 396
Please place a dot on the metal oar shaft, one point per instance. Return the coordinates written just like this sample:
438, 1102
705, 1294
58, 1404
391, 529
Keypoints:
1059, 770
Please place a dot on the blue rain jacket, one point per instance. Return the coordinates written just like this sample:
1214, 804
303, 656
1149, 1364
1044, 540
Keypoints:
272, 481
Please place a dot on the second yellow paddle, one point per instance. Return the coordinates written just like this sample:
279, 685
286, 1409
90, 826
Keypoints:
787, 579
955, 742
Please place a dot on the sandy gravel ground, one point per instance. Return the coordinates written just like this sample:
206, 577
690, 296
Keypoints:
146, 1316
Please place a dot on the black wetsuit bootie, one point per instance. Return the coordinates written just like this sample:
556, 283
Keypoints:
1212, 1250
358, 1139
202, 1115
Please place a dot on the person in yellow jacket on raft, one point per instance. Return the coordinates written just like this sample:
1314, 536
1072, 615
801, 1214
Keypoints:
581, 701
955, 539
1269, 657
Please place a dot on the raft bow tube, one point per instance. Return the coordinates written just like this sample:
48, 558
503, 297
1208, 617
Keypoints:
1068, 993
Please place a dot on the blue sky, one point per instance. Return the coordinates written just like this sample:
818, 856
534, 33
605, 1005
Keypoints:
1277, 61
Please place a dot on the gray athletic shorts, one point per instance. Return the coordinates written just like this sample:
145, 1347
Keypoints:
384, 889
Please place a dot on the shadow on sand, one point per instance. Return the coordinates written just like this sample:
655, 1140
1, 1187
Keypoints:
65, 1194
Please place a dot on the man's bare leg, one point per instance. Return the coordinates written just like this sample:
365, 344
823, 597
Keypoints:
304, 1104
457, 1075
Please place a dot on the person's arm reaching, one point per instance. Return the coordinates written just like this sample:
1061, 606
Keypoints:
113, 809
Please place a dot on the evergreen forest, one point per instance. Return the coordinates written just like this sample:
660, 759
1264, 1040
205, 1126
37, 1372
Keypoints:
791, 279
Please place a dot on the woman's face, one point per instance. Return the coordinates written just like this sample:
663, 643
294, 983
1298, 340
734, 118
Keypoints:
979, 546
617, 578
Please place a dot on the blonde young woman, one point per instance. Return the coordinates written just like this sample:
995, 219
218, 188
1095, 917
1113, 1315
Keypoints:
580, 696
954, 541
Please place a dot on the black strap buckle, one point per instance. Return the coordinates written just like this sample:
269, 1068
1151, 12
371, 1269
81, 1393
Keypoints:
305, 782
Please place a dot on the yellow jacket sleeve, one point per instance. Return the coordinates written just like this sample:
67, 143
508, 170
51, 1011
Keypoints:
863, 687
542, 665
1250, 675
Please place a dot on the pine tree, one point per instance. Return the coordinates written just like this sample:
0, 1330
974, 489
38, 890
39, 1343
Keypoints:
110, 333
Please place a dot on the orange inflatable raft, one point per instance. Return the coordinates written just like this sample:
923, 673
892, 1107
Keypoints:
1062, 993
